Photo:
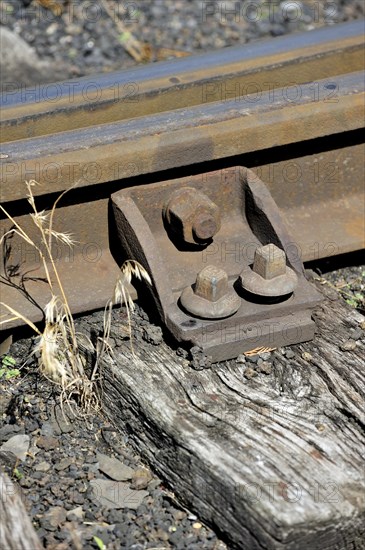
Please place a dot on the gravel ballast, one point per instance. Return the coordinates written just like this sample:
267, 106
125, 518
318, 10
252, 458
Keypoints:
86, 38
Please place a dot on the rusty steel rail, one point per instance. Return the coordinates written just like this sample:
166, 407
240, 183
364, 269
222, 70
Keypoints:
291, 109
205, 78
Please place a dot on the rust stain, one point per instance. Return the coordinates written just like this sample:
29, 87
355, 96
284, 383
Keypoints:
355, 227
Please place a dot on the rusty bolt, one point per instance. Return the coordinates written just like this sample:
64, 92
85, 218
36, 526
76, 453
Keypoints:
193, 216
269, 275
269, 261
211, 297
205, 226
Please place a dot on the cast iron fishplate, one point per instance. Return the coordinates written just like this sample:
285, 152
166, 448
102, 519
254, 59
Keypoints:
225, 272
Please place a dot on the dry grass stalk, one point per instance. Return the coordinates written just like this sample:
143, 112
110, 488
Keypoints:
55, 7
257, 351
121, 295
60, 348
141, 52
136, 49
57, 348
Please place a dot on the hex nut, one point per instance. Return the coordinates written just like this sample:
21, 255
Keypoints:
269, 261
193, 216
269, 275
211, 283
211, 297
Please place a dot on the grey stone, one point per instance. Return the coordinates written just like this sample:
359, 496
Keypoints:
250, 373
241, 358
289, 354
349, 345
20, 65
47, 443
116, 494
152, 334
18, 445
47, 429
42, 467
62, 420
75, 512
265, 367
154, 484
141, 479
114, 468
53, 518
63, 464
8, 431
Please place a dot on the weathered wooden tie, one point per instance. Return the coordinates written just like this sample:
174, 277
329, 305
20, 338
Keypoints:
275, 462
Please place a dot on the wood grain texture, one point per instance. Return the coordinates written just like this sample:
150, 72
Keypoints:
16, 529
275, 462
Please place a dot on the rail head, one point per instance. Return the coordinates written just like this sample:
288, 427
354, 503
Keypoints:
225, 74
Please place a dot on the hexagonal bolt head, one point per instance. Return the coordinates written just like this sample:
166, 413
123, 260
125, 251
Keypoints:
211, 297
269, 261
211, 283
193, 216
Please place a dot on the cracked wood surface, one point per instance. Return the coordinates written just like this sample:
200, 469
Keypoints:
274, 462
16, 528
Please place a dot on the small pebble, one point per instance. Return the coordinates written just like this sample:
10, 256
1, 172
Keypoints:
25, 482
197, 525
349, 345
63, 464
181, 352
179, 515
241, 358
47, 443
250, 373
265, 367
55, 516
289, 354
42, 467
306, 356
140, 479
152, 334
77, 513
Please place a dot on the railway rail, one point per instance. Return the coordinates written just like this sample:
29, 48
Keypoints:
291, 110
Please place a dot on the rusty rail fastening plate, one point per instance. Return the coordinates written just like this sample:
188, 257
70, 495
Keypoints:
225, 274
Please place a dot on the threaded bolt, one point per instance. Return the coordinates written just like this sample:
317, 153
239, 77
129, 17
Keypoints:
269, 261
211, 297
269, 276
